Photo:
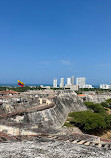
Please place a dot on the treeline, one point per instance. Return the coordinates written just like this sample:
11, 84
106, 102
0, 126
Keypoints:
20, 89
26, 88
95, 120
96, 90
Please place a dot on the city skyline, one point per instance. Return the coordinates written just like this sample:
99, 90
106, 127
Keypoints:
41, 40
70, 81
58, 81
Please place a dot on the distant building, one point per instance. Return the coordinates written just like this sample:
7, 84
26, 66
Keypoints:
105, 86
62, 83
45, 87
86, 86
72, 87
81, 81
72, 80
70, 84
69, 81
89, 92
55, 83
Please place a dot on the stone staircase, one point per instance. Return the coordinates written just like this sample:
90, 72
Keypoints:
84, 139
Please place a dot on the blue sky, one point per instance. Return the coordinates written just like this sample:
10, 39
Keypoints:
44, 39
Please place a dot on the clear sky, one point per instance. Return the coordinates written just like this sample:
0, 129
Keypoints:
45, 39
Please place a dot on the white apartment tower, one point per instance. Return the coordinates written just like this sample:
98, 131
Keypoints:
68, 81
55, 83
72, 80
81, 81
62, 83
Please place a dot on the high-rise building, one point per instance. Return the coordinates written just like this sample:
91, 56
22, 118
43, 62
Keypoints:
62, 83
81, 81
55, 83
72, 80
68, 81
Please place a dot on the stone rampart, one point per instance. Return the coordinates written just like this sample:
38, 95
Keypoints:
56, 116
97, 98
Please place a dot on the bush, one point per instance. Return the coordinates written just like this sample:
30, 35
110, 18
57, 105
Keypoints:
107, 119
104, 104
67, 124
94, 120
108, 101
97, 108
88, 121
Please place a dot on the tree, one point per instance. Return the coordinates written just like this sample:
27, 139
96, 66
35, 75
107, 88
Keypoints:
104, 104
88, 121
97, 108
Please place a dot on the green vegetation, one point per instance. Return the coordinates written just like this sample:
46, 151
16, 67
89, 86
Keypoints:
20, 89
97, 108
88, 121
94, 120
26, 88
104, 104
107, 103
96, 90
68, 124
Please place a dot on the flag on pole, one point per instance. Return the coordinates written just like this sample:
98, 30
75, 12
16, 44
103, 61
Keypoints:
21, 83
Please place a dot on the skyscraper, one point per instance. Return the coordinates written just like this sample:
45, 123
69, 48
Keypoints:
81, 81
68, 81
72, 80
55, 83
62, 83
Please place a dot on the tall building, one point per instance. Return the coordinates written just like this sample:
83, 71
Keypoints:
81, 81
72, 80
62, 83
55, 83
70, 84
68, 81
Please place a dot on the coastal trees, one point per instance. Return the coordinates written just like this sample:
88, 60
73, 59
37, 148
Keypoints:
109, 102
88, 121
104, 104
97, 108
95, 120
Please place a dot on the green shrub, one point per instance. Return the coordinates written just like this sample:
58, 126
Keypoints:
107, 119
97, 108
88, 121
94, 120
104, 104
67, 124
108, 101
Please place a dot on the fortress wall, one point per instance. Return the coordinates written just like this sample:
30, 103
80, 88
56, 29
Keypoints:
97, 98
56, 116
